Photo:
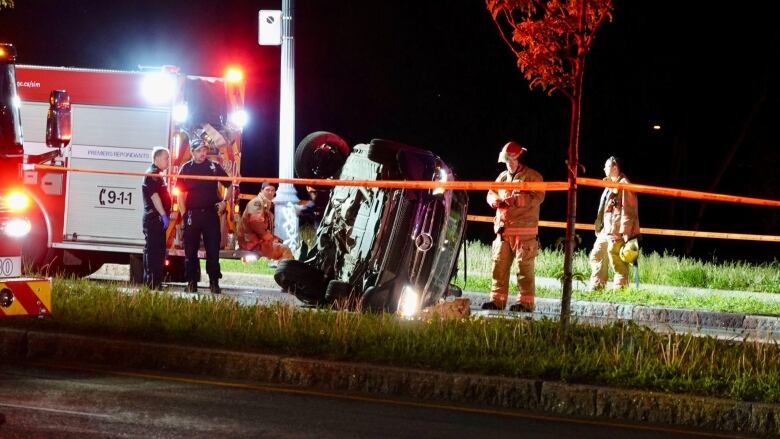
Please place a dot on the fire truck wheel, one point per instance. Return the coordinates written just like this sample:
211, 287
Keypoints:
38, 257
136, 269
320, 155
303, 281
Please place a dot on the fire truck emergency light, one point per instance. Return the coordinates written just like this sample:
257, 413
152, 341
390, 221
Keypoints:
15, 201
17, 227
234, 74
180, 113
158, 88
238, 118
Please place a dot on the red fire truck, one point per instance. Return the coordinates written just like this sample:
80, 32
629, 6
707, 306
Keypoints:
81, 220
21, 296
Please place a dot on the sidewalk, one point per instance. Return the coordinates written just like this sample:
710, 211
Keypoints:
718, 324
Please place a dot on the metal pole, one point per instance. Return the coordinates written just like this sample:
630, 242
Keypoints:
286, 198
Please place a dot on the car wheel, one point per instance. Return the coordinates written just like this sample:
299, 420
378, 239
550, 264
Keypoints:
341, 294
303, 281
320, 155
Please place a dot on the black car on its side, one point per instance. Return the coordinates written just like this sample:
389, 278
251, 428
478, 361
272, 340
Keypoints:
378, 249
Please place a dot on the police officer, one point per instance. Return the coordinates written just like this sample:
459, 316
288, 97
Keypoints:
157, 210
201, 207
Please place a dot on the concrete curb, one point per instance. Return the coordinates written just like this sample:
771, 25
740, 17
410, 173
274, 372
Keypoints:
651, 315
466, 389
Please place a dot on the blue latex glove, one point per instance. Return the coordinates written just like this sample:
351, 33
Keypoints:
165, 221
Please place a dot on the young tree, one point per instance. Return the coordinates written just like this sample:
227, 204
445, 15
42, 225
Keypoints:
550, 39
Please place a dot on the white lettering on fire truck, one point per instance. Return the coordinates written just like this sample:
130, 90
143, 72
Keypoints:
28, 84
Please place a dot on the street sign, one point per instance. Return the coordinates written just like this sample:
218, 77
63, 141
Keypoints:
269, 29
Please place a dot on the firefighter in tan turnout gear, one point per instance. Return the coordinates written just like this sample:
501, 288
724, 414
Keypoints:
617, 222
256, 229
516, 227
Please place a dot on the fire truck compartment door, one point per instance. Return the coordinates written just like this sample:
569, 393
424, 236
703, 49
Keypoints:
103, 207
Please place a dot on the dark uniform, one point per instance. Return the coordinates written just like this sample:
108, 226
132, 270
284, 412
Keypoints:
201, 218
154, 230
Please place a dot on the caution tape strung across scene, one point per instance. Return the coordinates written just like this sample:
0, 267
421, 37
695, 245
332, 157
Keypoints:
488, 185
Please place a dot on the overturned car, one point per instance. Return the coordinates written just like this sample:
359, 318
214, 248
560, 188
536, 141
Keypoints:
378, 249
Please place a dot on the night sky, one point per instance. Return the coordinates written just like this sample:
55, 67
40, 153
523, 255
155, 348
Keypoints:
436, 74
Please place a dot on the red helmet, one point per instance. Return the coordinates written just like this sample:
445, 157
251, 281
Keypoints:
511, 149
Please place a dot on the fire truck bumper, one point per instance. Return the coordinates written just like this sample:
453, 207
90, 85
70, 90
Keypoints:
25, 297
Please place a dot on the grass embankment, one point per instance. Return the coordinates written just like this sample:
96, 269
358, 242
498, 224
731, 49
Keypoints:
654, 269
618, 355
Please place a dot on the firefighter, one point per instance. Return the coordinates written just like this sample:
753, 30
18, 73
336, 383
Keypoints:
617, 222
201, 207
516, 227
157, 211
256, 229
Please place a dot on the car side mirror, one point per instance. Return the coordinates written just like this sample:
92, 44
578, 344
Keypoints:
58, 128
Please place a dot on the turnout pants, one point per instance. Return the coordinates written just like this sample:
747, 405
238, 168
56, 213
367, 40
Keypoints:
505, 250
205, 223
154, 252
607, 247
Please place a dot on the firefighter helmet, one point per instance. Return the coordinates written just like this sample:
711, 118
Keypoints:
630, 251
511, 149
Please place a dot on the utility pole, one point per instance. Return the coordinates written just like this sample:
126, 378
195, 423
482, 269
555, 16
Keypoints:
286, 197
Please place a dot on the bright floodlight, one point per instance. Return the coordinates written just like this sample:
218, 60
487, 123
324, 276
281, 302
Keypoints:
180, 113
239, 118
158, 88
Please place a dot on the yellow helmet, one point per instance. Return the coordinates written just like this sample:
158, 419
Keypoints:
630, 251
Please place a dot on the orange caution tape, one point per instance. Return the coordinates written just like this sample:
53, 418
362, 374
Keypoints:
677, 193
455, 185
650, 231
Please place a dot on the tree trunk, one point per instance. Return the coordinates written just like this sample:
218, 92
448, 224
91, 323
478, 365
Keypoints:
573, 165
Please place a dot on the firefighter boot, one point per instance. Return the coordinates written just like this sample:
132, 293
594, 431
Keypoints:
192, 287
214, 287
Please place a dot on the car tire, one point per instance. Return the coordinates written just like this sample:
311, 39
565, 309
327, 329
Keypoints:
340, 293
321, 154
301, 280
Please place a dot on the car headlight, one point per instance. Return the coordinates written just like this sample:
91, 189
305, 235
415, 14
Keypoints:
409, 303
17, 227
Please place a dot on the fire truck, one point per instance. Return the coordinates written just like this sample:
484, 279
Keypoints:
22, 296
82, 220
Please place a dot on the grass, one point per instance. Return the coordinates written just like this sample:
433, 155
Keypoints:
654, 269
622, 354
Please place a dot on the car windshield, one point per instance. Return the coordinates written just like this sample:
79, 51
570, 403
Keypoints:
449, 243
10, 127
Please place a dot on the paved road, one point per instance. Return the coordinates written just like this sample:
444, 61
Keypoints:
44, 401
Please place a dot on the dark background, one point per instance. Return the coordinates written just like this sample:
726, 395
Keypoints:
436, 74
